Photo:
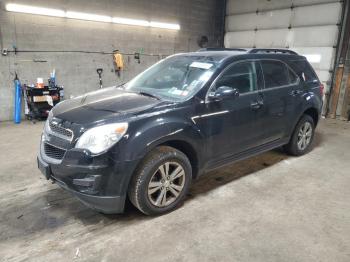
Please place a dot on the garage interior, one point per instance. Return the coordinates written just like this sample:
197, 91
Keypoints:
271, 207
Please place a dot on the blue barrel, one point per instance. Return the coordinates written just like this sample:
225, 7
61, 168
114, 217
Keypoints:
18, 98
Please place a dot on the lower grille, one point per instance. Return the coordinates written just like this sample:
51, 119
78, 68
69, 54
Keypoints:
54, 152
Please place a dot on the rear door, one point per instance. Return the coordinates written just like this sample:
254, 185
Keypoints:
280, 89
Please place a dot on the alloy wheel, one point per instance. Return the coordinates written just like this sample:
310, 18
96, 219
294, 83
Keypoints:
304, 136
166, 184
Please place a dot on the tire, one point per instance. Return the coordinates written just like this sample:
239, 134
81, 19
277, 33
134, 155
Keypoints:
294, 147
161, 181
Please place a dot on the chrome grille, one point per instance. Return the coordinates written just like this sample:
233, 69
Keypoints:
61, 131
54, 152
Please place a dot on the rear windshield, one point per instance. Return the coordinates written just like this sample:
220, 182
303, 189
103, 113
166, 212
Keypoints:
303, 70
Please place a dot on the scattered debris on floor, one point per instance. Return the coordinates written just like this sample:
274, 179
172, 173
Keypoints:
77, 253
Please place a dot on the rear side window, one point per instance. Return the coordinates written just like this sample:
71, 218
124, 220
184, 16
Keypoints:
275, 73
304, 70
293, 78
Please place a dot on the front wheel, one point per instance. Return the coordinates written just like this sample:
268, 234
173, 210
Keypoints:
161, 181
302, 137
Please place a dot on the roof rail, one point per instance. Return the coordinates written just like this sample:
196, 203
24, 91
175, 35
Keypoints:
221, 49
272, 50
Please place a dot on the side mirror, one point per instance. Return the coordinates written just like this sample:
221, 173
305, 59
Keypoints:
223, 92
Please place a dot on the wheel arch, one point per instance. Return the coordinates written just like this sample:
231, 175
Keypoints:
188, 150
185, 147
313, 112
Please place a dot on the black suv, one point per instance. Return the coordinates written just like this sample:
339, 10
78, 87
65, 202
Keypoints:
187, 114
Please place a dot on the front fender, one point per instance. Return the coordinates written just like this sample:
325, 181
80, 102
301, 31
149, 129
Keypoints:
150, 134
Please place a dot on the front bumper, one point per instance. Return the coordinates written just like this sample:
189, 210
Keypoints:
104, 204
100, 187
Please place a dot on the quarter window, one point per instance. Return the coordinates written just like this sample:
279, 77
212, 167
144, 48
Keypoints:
275, 74
304, 70
241, 76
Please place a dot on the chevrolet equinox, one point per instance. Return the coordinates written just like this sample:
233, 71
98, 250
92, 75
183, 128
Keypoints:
190, 113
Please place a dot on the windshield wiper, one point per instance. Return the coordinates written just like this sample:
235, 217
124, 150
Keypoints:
148, 94
121, 85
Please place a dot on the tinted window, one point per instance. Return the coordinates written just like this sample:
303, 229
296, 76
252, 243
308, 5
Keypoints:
303, 70
275, 74
293, 78
241, 76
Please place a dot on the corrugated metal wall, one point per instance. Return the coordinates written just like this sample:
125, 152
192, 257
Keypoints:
310, 27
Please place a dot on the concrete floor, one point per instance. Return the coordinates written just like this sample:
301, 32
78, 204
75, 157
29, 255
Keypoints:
268, 208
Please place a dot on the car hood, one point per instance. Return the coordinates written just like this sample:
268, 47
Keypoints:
103, 104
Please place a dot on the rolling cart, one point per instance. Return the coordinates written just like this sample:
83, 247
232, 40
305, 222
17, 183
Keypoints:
39, 101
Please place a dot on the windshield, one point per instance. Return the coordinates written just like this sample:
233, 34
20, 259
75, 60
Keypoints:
176, 78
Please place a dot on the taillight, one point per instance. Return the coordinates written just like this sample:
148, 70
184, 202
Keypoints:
322, 89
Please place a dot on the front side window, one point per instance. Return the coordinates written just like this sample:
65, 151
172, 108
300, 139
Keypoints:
275, 74
176, 78
241, 76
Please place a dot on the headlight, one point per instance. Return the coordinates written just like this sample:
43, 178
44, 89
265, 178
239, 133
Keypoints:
101, 138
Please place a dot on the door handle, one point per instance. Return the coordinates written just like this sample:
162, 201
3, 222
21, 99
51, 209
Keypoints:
296, 92
256, 104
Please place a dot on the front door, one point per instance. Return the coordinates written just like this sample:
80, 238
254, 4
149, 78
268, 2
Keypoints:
233, 125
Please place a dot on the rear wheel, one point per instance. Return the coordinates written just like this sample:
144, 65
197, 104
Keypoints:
301, 140
161, 181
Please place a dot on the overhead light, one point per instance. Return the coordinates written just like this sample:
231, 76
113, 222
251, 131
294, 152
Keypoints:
313, 58
89, 17
165, 25
127, 21
85, 16
35, 10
